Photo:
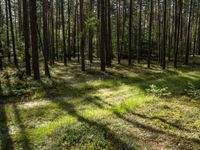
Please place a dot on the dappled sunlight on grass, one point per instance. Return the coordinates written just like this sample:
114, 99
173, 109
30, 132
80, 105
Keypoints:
117, 101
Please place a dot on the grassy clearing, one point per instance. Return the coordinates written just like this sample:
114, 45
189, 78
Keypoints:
123, 108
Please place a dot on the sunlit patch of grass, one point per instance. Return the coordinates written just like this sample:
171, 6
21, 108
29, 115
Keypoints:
46, 129
131, 103
197, 124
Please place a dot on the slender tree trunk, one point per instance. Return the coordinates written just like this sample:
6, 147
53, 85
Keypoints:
118, 31
69, 30
130, 32
122, 42
110, 52
98, 29
12, 35
106, 32
150, 34
1, 29
63, 33
187, 53
34, 39
82, 47
75, 29
139, 33
90, 44
20, 17
45, 37
159, 34
103, 38
7, 30
52, 34
26, 37
177, 35
164, 34
195, 36
169, 31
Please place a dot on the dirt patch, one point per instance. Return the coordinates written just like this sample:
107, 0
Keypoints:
34, 104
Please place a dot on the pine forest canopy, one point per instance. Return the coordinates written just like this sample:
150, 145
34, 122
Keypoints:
35, 33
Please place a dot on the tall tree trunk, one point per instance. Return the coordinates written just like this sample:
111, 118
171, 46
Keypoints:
122, 42
130, 33
45, 37
159, 34
90, 44
150, 34
177, 31
57, 28
20, 17
69, 30
106, 32
75, 29
82, 42
139, 49
195, 35
169, 31
110, 52
26, 37
34, 39
1, 29
187, 53
164, 34
118, 31
63, 33
12, 35
52, 34
103, 38
7, 30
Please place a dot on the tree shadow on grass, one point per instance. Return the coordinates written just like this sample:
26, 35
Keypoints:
177, 126
6, 142
152, 129
24, 141
109, 135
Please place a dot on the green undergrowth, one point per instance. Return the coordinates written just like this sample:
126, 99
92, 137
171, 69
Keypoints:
84, 110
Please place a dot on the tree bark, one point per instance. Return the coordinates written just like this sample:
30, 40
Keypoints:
82, 47
12, 35
187, 53
26, 37
34, 39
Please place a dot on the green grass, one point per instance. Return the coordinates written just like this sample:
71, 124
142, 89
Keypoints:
116, 109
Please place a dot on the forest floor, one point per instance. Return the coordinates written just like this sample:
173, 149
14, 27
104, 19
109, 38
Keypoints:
123, 108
